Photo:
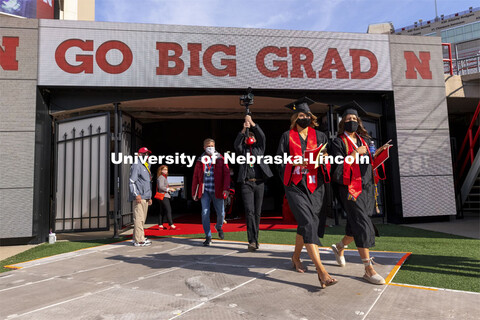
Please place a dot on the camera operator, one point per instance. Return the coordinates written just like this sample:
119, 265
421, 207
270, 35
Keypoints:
252, 176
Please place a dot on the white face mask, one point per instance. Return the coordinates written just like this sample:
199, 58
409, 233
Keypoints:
210, 150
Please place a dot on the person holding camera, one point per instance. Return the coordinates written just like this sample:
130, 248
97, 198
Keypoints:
252, 176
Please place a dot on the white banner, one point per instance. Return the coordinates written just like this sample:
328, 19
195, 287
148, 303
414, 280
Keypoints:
134, 55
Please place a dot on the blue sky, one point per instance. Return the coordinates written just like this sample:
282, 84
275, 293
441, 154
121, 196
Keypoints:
318, 15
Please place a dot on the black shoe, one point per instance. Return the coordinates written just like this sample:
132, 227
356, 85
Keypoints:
207, 241
221, 235
252, 247
257, 246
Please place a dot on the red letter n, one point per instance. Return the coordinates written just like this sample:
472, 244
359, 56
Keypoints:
8, 56
422, 65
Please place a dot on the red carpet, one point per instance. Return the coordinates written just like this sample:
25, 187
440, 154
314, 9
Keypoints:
193, 225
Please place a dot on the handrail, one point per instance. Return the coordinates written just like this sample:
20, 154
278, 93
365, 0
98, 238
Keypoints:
463, 65
468, 137
449, 46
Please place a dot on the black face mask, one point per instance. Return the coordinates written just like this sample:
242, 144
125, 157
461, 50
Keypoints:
305, 122
351, 126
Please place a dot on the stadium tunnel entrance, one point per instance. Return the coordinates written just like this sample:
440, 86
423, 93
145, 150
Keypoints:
178, 123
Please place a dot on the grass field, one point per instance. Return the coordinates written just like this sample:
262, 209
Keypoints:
437, 260
46, 250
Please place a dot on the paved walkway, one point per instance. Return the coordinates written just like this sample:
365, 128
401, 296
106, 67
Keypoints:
179, 278
466, 227
9, 251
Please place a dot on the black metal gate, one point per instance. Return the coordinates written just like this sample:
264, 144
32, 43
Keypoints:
82, 167
128, 139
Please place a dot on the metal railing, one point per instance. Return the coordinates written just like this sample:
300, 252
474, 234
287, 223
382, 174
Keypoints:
448, 46
464, 159
464, 66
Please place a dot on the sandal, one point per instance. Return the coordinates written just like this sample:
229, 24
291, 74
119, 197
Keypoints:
376, 278
327, 283
336, 251
298, 266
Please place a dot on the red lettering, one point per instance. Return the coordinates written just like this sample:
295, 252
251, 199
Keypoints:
357, 73
101, 57
86, 64
86, 61
280, 65
422, 65
164, 58
229, 64
298, 62
333, 62
8, 56
194, 69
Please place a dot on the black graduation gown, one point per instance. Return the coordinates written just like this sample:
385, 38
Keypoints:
257, 149
305, 206
359, 225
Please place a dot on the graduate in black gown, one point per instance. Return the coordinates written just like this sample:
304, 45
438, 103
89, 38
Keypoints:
304, 188
354, 186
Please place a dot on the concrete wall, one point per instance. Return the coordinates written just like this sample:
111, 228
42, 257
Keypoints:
17, 129
422, 131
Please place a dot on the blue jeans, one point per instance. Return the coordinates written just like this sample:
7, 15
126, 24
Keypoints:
206, 198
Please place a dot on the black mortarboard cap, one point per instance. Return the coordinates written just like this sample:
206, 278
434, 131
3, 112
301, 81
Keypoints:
351, 108
301, 105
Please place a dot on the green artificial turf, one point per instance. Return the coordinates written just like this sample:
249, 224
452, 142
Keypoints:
46, 250
438, 259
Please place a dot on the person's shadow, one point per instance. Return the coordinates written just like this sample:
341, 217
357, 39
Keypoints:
230, 264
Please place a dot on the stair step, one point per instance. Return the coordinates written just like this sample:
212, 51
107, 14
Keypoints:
468, 201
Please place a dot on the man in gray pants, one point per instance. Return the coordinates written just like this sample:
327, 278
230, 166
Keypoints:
141, 193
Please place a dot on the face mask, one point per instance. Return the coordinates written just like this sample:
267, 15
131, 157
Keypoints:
351, 126
305, 122
210, 150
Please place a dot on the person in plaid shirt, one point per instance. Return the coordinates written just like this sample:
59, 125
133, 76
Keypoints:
211, 180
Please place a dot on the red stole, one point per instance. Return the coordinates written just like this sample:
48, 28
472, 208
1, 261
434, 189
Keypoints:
295, 148
352, 177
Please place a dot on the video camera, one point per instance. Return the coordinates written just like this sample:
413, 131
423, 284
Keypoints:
247, 99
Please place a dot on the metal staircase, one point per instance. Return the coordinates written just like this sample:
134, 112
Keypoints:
469, 192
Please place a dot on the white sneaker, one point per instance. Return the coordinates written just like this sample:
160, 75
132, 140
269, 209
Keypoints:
148, 241
142, 244
340, 259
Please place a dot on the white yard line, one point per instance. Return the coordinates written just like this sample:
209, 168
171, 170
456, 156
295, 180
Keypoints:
13, 316
56, 277
115, 286
375, 302
434, 288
